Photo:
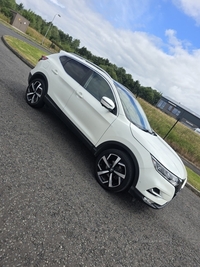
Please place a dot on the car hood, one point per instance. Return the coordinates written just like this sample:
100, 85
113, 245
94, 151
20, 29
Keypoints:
160, 150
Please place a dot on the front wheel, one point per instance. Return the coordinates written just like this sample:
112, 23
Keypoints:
113, 170
35, 93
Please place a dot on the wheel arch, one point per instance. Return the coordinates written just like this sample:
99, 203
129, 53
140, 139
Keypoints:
39, 75
122, 147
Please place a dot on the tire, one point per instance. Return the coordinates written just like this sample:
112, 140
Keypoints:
114, 170
35, 93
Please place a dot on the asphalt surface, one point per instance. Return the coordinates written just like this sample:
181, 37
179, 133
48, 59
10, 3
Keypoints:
53, 212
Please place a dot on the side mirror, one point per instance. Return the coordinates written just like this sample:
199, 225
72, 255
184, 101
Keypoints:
107, 103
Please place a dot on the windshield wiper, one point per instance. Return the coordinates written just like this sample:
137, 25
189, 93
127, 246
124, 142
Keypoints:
148, 131
144, 129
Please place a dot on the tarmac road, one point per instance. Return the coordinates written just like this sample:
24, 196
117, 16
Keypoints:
53, 212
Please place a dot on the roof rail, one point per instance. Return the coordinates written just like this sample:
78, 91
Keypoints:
93, 64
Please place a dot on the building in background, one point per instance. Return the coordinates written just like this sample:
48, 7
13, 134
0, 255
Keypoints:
179, 112
19, 22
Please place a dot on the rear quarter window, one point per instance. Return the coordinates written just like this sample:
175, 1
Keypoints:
75, 69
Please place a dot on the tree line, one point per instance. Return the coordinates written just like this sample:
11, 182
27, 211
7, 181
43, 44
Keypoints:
68, 43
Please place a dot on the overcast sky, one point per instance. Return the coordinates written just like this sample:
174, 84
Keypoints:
156, 41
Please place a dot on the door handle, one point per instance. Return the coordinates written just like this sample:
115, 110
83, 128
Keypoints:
55, 72
79, 94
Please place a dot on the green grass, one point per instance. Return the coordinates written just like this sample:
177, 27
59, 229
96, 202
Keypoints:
193, 179
183, 140
37, 37
27, 51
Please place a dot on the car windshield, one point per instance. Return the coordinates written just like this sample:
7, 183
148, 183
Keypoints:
132, 108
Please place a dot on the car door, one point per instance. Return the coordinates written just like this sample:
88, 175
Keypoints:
85, 110
65, 79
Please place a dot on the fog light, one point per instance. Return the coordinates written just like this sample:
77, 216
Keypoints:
154, 191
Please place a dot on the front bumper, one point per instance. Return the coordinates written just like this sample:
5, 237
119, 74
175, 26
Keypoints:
154, 190
134, 192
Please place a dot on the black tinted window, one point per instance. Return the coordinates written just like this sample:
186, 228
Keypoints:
76, 70
98, 87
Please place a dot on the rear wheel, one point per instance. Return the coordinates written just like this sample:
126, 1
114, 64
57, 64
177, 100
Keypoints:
113, 170
35, 93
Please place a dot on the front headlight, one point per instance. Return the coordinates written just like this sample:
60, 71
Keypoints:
170, 177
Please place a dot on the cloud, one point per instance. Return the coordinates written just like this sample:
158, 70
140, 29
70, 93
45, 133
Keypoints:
57, 3
124, 14
190, 8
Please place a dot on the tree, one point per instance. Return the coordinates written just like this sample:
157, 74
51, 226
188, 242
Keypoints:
38, 23
128, 81
75, 44
29, 15
54, 34
8, 4
6, 11
157, 97
120, 74
84, 53
110, 70
136, 88
19, 7
147, 94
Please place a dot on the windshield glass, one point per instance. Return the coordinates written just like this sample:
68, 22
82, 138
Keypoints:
132, 108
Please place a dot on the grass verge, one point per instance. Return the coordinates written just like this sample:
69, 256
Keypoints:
27, 51
193, 179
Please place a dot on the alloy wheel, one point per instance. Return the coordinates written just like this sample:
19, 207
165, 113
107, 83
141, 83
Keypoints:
34, 92
112, 171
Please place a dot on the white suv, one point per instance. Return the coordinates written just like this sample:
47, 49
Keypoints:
129, 155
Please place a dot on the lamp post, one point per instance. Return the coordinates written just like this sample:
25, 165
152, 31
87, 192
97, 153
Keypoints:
50, 27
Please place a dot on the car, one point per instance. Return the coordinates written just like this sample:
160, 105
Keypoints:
128, 155
197, 130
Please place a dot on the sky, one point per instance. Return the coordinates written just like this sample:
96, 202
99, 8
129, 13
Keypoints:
156, 41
